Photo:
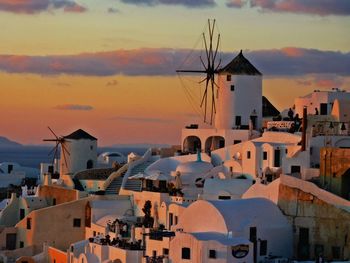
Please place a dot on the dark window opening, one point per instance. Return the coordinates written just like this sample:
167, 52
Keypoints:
224, 197
232, 87
89, 164
29, 223
248, 154
228, 77
277, 159
54, 201
319, 249
50, 169
263, 247
21, 214
238, 121
336, 252
324, 108
21, 244
186, 253
295, 169
265, 156
212, 253
236, 141
171, 219
76, 222
9, 168
165, 251
175, 220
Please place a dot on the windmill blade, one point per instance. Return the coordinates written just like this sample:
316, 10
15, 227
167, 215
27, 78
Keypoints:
64, 156
53, 149
53, 132
217, 47
204, 66
64, 148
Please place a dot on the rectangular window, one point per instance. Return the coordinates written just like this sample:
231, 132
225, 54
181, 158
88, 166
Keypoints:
228, 77
165, 251
76, 222
186, 253
21, 244
94, 233
319, 249
224, 197
50, 169
29, 223
264, 155
336, 252
9, 168
252, 234
311, 150
324, 108
175, 220
21, 214
171, 219
238, 121
295, 169
212, 253
236, 141
263, 247
248, 154
54, 201
232, 87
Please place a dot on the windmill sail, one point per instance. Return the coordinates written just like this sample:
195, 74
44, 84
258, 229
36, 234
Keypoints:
211, 66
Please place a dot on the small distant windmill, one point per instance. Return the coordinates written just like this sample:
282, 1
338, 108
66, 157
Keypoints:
60, 141
211, 68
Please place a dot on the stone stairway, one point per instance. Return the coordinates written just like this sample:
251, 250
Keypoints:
132, 185
115, 185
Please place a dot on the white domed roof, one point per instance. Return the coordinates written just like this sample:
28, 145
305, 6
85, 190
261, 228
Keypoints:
196, 167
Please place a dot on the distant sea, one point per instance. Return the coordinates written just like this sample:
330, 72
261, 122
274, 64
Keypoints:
32, 156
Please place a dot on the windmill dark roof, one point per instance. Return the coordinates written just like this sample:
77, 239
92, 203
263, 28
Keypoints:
80, 134
240, 66
268, 109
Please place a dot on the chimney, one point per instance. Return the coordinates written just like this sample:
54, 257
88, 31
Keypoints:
304, 127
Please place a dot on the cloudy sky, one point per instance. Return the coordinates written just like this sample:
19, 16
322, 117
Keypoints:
108, 66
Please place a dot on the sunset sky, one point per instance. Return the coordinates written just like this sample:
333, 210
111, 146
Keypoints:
108, 66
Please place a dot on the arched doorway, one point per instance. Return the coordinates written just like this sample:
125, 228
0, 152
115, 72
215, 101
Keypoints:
89, 164
192, 144
213, 143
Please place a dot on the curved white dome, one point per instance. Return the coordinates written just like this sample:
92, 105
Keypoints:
196, 167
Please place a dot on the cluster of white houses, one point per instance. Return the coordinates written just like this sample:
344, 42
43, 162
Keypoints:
252, 189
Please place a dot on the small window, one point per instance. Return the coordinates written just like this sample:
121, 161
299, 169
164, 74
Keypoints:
237, 141
263, 247
228, 77
171, 219
21, 244
29, 223
231, 169
248, 154
224, 197
311, 150
186, 253
76, 222
154, 253
232, 87
165, 251
319, 249
91, 147
264, 155
54, 201
94, 233
21, 214
238, 121
286, 151
212, 253
336, 252
176, 220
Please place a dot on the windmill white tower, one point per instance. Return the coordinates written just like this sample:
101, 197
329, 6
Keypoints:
239, 96
78, 151
232, 100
